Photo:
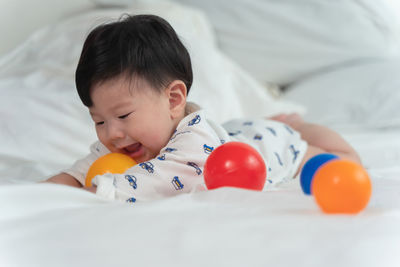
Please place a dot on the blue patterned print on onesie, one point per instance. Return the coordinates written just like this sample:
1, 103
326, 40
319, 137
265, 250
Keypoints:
272, 131
196, 167
258, 137
132, 180
161, 157
148, 166
131, 200
288, 129
179, 133
195, 120
278, 158
208, 149
177, 183
269, 171
234, 133
294, 152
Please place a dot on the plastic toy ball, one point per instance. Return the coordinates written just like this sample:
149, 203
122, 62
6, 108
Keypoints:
341, 186
235, 164
110, 163
309, 169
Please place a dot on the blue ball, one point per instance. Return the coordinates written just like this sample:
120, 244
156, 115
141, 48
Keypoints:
309, 169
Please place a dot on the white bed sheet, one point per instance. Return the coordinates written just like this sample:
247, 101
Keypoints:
51, 225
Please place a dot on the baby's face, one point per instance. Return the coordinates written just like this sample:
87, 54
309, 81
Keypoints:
132, 118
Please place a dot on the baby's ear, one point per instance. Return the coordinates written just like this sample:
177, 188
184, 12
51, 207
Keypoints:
176, 92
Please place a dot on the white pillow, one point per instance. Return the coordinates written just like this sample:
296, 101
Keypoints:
364, 95
287, 40
42, 119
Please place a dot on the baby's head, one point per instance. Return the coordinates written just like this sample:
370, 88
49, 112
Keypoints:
134, 76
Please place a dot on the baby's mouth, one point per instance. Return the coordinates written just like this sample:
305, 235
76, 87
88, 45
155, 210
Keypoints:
134, 150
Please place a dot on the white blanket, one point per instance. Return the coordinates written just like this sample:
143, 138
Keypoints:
44, 128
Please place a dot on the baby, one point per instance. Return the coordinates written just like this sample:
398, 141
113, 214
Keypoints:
134, 76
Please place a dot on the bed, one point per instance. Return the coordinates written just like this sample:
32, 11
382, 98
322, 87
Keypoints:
336, 63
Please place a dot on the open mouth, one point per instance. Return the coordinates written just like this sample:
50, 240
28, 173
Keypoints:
134, 151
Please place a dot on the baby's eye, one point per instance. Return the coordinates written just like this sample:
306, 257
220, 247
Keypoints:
100, 123
124, 116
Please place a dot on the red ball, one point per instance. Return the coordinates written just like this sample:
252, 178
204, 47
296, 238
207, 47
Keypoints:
235, 164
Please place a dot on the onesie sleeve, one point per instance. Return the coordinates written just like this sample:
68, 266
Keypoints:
177, 169
81, 167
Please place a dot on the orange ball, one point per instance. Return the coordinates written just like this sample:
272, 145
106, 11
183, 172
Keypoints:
110, 163
341, 186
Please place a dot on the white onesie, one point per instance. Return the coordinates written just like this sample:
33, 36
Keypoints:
179, 166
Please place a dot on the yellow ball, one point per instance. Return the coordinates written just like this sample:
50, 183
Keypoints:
110, 163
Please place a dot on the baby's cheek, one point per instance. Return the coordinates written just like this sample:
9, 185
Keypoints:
158, 141
102, 138
106, 142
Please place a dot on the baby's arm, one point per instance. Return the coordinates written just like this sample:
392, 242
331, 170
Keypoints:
64, 178
320, 139
75, 175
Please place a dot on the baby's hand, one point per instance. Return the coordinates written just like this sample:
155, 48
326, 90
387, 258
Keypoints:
294, 120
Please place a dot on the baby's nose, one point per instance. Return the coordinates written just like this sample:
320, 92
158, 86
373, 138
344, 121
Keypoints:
115, 132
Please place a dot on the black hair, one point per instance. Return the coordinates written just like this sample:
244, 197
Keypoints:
144, 46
